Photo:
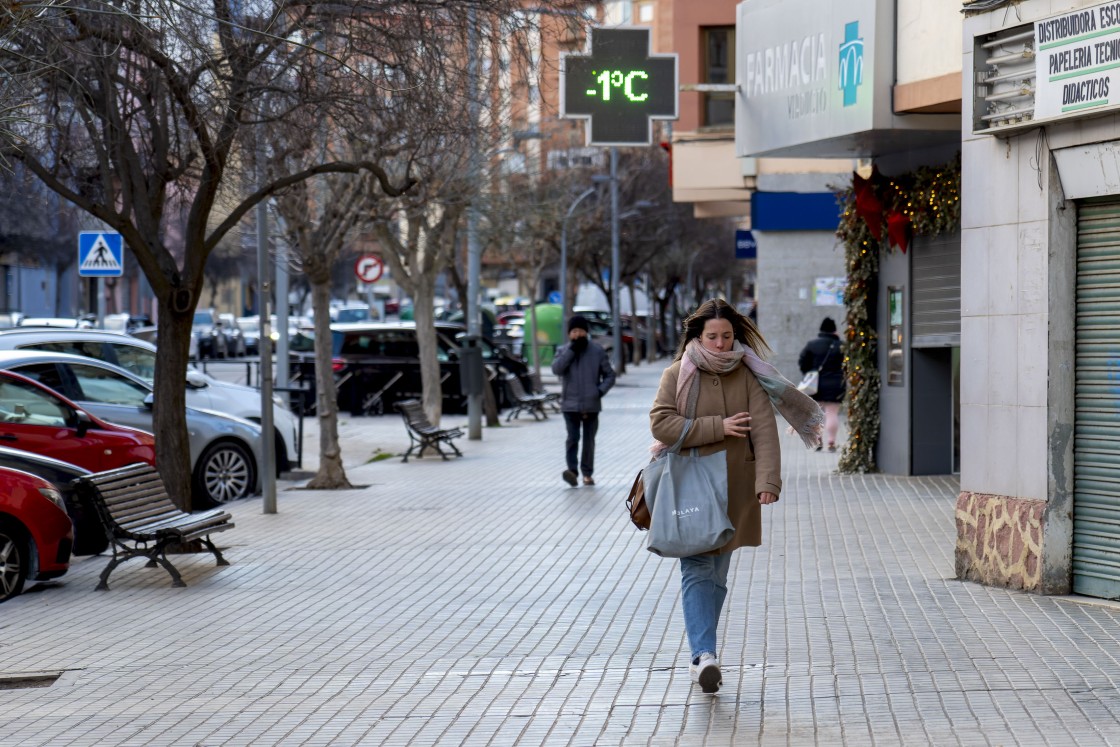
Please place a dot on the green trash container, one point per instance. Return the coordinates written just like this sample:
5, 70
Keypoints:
550, 332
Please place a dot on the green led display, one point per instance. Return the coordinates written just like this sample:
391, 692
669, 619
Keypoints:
619, 87
609, 79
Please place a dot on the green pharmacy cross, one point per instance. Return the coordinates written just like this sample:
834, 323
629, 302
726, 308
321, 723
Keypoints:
620, 87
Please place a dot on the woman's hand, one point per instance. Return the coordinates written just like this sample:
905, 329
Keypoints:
767, 498
737, 425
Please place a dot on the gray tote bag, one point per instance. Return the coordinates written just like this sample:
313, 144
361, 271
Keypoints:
687, 499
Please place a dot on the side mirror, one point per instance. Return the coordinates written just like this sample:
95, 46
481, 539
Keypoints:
149, 401
85, 422
196, 379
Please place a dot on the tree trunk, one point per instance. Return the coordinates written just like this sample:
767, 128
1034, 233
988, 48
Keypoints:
423, 310
169, 414
331, 474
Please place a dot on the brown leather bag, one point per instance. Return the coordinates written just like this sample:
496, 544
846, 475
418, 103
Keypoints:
636, 503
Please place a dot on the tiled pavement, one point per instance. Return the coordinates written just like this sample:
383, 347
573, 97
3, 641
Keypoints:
482, 601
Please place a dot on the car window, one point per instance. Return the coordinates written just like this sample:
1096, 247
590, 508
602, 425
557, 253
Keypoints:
359, 344
84, 348
46, 374
136, 360
99, 385
22, 403
203, 317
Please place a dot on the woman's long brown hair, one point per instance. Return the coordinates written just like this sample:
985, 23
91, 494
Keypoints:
717, 308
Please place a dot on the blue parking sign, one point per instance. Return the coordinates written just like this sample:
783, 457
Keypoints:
100, 254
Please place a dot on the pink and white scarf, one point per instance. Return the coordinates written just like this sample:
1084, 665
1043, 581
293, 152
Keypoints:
801, 411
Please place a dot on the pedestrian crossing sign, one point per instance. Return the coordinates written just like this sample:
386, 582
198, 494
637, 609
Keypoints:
100, 254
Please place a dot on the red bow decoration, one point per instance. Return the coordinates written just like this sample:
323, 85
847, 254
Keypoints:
868, 205
898, 230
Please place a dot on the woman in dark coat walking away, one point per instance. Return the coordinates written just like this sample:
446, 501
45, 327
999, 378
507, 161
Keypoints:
824, 354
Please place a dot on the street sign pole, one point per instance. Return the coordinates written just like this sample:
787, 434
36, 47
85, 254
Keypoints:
619, 87
616, 317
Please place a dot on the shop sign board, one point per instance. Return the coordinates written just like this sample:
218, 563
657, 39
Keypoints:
1077, 58
809, 71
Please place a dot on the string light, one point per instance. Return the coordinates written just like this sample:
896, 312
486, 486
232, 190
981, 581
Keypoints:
930, 199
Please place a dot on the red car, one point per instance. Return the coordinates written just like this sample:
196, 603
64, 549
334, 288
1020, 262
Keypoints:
37, 419
35, 532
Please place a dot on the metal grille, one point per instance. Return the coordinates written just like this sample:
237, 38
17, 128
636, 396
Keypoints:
936, 309
1096, 500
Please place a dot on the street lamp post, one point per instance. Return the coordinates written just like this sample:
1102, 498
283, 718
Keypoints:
564, 252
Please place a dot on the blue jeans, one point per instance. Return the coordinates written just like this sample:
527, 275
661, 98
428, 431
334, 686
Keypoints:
588, 422
703, 589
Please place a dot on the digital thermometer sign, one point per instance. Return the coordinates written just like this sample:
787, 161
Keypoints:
619, 87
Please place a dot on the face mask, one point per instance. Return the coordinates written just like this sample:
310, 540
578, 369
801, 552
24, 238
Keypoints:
579, 344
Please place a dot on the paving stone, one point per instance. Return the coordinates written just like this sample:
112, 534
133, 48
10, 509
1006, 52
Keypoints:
483, 601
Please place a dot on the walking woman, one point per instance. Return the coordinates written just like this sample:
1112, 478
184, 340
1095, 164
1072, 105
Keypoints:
825, 355
719, 381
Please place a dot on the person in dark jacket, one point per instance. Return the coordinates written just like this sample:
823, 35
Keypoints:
824, 354
585, 375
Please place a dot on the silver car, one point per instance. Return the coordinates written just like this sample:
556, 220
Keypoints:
225, 451
139, 357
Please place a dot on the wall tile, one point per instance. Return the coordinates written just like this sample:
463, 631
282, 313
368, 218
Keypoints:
1032, 268
1003, 274
974, 272
1034, 464
974, 360
974, 448
1003, 360
1032, 354
1032, 202
1003, 450
976, 183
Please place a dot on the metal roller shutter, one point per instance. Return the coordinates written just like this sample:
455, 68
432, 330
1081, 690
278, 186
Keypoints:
1096, 448
936, 309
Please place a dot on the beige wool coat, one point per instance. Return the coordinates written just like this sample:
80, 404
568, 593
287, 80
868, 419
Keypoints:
754, 463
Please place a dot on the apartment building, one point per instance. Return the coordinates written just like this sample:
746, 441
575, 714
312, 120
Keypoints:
1040, 494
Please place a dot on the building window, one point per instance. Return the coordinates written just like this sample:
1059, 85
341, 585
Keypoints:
616, 12
645, 13
719, 67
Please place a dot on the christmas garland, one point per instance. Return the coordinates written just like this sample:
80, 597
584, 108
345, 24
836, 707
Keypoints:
925, 202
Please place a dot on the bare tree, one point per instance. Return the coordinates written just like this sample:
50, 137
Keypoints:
149, 123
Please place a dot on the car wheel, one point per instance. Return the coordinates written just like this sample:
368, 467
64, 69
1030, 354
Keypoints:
15, 557
224, 473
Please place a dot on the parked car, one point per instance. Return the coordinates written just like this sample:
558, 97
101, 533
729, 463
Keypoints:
54, 321
351, 312
139, 357
207, 329
151, 334
235, 339
379, 364
35, 532
225, 451
37, 419
301, 333
89, 535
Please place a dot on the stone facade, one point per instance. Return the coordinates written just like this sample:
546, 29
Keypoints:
999, 540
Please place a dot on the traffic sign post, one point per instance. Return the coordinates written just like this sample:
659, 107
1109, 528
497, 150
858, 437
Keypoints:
619, 86
369, 268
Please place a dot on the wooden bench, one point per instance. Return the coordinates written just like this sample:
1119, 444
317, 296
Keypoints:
422, 433
140, 520
532, 403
